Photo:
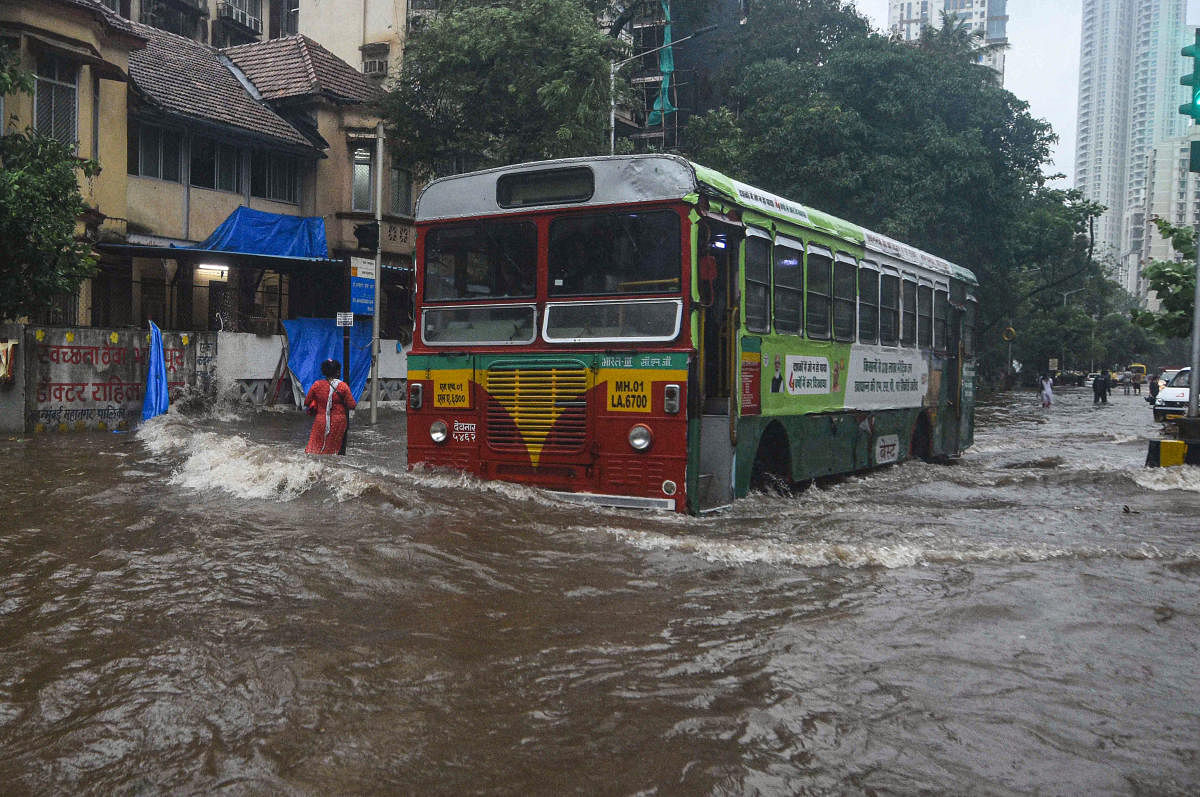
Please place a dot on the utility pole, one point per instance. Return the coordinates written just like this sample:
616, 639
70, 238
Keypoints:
1191, 429
378, 272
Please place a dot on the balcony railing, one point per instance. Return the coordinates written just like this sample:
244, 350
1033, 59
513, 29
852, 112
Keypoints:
226, 10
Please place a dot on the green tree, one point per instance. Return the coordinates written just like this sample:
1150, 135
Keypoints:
953, 38
40, 258
1174, 282
920, 144
504, 82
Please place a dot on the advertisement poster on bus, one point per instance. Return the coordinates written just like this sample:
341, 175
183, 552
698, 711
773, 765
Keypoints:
882, 378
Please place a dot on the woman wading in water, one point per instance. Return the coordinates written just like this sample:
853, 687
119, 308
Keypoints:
330, 400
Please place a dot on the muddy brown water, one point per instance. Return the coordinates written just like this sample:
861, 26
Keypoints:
199, 608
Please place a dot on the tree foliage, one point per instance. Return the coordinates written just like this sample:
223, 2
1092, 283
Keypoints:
502, 82
40, 258
1174, 282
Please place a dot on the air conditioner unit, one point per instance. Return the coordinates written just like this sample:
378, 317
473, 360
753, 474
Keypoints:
375, 66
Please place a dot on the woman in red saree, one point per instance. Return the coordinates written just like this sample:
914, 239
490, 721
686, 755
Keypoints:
330, 400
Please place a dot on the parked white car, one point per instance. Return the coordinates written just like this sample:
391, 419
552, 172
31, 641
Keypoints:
1173, 399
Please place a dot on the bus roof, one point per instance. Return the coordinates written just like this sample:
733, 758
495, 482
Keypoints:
620, 179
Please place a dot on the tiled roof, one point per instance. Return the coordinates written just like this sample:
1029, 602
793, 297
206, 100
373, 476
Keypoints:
296, 66
191, 79
110, 17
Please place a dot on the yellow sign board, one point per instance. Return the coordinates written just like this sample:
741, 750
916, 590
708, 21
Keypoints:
452, 388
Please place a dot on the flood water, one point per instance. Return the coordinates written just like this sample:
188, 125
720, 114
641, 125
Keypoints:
199, 608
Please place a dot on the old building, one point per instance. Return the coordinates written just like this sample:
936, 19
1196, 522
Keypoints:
186, 135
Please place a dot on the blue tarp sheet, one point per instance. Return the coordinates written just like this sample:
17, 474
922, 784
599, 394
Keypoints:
257, 232
311, 341
156, 400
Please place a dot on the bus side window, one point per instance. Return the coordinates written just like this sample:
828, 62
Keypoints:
868, 305
758, 283
941, 311
843, 298
924, 316
889, 309
789, 289
818, 293
908, 315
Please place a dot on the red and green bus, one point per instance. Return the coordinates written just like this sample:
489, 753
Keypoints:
641, 331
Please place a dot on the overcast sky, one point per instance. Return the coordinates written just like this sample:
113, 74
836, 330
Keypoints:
1042, 65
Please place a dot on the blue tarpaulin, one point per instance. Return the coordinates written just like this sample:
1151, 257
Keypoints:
311, 341
257, 232
157, 400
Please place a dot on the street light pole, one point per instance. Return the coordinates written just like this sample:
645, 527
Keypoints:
615, 66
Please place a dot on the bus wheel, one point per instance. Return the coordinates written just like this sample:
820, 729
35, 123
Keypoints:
772, 469
919, 444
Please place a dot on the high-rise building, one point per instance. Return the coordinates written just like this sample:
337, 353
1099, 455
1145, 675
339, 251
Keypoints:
1173, 194
1129, 96
989, 17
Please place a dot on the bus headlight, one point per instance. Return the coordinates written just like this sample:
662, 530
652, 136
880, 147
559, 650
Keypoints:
640, 437
437, 431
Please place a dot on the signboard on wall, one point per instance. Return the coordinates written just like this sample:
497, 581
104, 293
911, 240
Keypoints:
87, 378
362, 285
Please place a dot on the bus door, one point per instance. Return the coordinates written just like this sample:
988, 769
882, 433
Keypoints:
719, 243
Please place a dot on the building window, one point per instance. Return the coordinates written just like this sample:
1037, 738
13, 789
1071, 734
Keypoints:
285, 18
215, 165
362, 193
55, 101
173, 18
274, 176
401, 192
154, 152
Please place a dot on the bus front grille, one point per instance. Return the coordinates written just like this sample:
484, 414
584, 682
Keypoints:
536, 409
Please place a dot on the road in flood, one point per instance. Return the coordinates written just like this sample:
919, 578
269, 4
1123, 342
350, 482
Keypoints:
200, 608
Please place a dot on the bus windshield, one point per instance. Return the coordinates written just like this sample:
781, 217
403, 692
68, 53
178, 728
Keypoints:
481, 260
615, 253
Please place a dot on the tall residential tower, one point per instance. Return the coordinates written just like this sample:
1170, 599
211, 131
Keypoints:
1129, 96
990, 17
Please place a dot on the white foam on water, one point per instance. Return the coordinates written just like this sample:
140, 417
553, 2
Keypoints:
836, 554
1179, 477
245, 469
891, 556
231, 463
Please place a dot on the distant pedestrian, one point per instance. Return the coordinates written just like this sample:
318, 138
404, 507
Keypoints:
1154, 386
1101, 387
1126, 381
329, 400
1047, 387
